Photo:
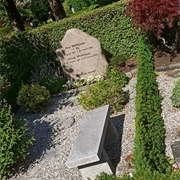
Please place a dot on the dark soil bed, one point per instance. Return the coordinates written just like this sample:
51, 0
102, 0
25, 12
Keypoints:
161, 59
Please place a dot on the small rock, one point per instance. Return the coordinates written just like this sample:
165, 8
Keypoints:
65, 123
178, 131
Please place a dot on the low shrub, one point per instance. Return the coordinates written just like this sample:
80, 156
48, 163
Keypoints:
176, 94
33, 97
149, 153
105, 92
13, 139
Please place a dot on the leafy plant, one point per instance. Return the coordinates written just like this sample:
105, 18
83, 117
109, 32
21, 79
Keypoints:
13, 139
154, 15
48, 74
53, 84
105, 92
176, 94
159, 20
33, 97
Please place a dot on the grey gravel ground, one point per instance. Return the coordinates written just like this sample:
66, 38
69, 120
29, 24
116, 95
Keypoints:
56, 128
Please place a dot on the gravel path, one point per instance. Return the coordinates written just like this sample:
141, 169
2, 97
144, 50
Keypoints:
56, 128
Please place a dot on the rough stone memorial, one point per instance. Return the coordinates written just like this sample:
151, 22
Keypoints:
81, 55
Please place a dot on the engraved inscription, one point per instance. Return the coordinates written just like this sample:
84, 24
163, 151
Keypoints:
79, 52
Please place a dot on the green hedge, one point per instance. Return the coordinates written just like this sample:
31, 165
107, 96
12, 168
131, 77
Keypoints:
149, 150
176, 93
22, 52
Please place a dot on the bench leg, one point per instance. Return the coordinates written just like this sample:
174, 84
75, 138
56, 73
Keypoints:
94, 169
112, 135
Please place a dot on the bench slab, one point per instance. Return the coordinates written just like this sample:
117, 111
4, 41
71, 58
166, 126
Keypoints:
91, 171
89, 142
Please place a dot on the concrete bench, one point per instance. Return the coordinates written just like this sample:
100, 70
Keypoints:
88, 153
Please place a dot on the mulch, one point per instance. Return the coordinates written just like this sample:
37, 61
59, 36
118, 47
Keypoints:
161, 59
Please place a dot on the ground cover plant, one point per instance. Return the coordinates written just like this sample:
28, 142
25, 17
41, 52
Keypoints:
13, 139
105, 92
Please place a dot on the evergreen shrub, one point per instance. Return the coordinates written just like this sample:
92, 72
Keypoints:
176, 94
13, 139
149, 153
33, 98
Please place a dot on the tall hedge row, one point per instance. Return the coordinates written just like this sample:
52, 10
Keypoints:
149, 150
22, 52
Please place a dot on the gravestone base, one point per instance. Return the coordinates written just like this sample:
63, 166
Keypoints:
176, 152
94, 169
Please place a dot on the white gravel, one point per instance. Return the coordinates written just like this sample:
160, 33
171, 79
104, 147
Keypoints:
56, 128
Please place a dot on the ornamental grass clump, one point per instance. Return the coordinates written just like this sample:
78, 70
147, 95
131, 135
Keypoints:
33, 98
149, 153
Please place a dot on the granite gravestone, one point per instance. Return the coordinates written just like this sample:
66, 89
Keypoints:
81, 55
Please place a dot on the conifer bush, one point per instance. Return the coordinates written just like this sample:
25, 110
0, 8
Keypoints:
149, 153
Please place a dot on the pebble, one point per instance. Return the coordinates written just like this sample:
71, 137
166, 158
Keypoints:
56, 129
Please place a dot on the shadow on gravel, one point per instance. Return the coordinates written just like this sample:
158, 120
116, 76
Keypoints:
60, 101
41, 126
43, 133
114, 151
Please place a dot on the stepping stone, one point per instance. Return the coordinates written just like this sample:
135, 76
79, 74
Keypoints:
176, 152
